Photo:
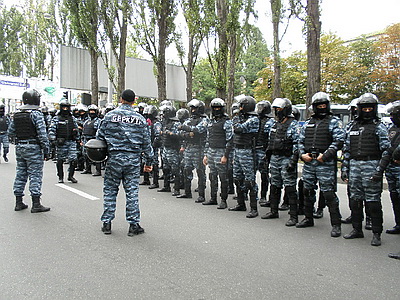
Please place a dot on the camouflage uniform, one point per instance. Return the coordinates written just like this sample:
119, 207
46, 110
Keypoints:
365, 142
89, 129
28, 130
127, 136
245, 126
218, 144
4, 124
321, 136
194, 132
63, 132
283, 151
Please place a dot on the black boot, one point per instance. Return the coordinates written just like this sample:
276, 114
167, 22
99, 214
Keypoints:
291, 193
222, 205
332, 202
106, 228
36, 206
356, 207
71, 172
354, 234
376, 239
368, 223
19, 205
240, 206
212, 201
146, 179
60, 171
264, 189
309, 200
394, 255
135, 229
188, 185
253, 201
274, 198
97, 171
88, 167
395, 198
155, 184
336, 231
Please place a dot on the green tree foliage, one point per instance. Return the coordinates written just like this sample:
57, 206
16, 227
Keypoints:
11, 55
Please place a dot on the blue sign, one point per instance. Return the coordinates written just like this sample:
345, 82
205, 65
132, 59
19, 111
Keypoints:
15, 83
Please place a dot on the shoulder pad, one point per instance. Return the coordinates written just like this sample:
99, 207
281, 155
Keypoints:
174, 118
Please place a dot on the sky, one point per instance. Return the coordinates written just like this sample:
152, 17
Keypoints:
347, 18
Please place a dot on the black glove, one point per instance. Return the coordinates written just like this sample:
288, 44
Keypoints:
60, 141
46, 156
237, 129
329, 155
185, 127
291, 166
378, 176
344, 175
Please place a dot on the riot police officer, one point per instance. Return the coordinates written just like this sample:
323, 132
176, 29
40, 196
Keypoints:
4, 123
127, 137
90, 127
64, 134
217, 149
321, 137
169, 141
28, 130
182, 114
365, 142
392, 168
194, 132
283, 149
245, 128
263, 109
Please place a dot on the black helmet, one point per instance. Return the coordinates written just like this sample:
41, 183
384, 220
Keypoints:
196, 107
2, 109
65, 103
52, 111
141, 106
182, 114
296, 113
168, 111
263, 108
96, 150
367, 100
393, 108
286, 108
31, 97
151, 112
247, 104
318, 99
217, 107
109, 107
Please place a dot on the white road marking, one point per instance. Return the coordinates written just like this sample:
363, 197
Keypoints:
78, 192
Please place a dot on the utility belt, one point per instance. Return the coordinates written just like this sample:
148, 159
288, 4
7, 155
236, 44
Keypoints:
367, 157
315, 152
22, 142
286, 153
238, 146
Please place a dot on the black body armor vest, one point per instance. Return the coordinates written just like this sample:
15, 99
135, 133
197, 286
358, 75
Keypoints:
216, 134
278, 142
394, 136
88, 128
198, 138
65, 127
317, 135
24, 127
170, 141
364, 144
262, 137
244, 140
3, 124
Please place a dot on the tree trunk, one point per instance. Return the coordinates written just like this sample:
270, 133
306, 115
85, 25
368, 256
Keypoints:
189, 70
122, 55
222, 56
94, 76
232, 67
313, 50
276, 7
162, 45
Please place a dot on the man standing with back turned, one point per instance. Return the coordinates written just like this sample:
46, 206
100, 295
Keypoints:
127, 136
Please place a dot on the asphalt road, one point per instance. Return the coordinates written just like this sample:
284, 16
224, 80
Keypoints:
189, 251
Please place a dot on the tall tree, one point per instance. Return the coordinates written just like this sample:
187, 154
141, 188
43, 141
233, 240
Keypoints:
114, 17
199, 21
276, 9
153, 31
313, 27
83, 17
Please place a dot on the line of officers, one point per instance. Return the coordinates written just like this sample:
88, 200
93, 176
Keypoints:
268, 138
